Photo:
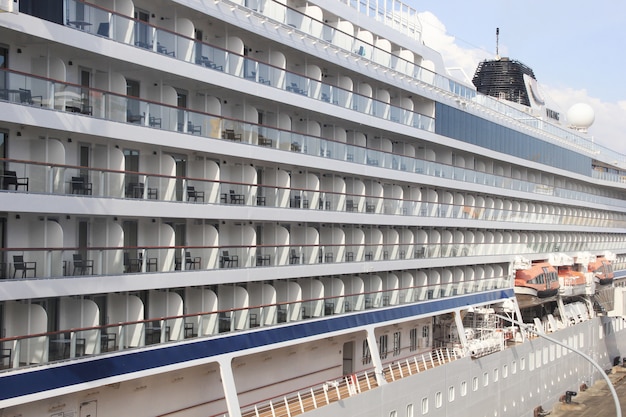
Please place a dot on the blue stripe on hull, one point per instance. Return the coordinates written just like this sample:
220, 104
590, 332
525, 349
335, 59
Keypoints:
49, 378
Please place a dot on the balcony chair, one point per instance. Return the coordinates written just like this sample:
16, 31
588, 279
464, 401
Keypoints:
10, 178
26, 97
231, 135
294, 258
224, 321
192, 262
80, 185
191, 128
281, 314
20, 265
82, 265
131, 264
263, 141
228, 261
103, 29
135, 190
134, 118
4, 354
154, 121
193, 194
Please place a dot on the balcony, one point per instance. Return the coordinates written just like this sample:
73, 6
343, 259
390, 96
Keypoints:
109, 106
85, 182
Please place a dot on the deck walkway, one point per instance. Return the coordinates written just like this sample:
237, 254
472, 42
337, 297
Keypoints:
596, 401
332, 391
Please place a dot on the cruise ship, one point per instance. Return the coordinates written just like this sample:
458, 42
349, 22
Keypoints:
251, 208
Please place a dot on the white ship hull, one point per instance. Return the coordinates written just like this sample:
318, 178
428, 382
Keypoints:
264, 208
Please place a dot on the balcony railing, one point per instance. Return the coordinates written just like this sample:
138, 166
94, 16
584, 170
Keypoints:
51, 94
66, 179
311, 398
55, 262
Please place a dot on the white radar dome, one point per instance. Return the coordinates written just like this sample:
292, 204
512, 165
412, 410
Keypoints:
580, 116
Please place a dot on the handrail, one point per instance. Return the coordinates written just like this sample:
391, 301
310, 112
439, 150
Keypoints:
57, 262
348, 152
428, 253
342, 383
333, 200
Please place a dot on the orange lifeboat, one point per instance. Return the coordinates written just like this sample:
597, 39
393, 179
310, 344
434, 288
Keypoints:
541, 281
602, 270
572, 282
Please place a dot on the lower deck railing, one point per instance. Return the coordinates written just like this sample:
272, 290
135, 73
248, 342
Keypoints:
328, 392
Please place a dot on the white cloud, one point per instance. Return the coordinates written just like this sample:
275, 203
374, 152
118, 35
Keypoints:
435, 36
609, 128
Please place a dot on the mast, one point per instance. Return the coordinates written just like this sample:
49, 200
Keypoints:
497, 43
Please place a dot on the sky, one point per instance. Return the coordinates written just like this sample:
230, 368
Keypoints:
576, 48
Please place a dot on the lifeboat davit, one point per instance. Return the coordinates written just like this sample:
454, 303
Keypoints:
540, 281
602, 270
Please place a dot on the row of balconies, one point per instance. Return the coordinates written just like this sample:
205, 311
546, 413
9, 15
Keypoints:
28, 262
327, 297
407, 201
150, 114
401, 62
164, 40
246, 68
108, 23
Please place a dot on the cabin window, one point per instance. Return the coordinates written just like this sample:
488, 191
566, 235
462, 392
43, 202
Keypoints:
450, 394
505, 371
463, 389
475, 383
538, 359
425, 336
396, 344
51, 10
425, 405
522, 364
485, 379
413, 339
393, 413
514, 367
143, 35
382, 346
409, 410
367, 358
496, 375
131, 163
4, 63
438, 399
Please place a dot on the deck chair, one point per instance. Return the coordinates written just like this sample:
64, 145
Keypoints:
20, 265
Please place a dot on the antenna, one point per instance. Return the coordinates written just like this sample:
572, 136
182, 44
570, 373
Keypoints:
497, 43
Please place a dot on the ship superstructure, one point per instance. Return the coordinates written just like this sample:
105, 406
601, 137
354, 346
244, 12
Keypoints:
281, 208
